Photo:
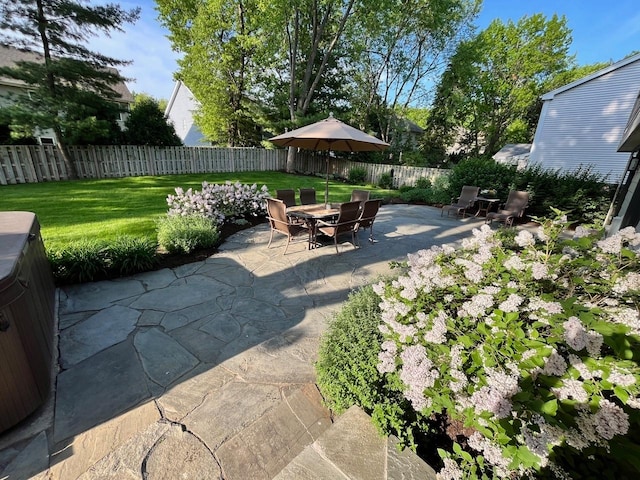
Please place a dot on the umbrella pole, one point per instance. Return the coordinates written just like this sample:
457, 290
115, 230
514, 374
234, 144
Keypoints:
326, 185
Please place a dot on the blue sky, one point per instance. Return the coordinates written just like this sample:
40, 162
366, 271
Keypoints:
602, 31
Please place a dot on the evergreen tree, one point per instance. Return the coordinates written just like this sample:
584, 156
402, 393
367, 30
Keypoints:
69, 86
147, 125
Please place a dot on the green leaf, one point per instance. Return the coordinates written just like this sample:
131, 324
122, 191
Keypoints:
550, 407
527, 458
457, 448
621, 393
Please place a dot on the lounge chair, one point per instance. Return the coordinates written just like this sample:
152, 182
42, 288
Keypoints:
307, 196
345, 223
513, 208
288, 196
368, 216
464, 202
279, 222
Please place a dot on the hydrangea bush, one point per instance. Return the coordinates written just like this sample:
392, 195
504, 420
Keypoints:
532, 350
220, 202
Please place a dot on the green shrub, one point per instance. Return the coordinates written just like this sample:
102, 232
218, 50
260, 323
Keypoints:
348, 355
413, 159
357, 175
440, 190
585, 195
82, 261
386, 181
89, 260
184, 234
417, 195
485, 173
128, 255
423, 183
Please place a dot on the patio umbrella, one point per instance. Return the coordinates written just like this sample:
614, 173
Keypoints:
330, 134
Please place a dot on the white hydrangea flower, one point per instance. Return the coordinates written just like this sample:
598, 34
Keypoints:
512, 303
611, 420
571, 389
555, 364
450, 471
524, 239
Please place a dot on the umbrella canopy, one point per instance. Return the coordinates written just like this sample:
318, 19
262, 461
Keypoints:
330, 134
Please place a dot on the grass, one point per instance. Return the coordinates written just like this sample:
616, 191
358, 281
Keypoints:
104, 209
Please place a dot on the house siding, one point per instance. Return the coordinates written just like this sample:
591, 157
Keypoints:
583, 125
180, 113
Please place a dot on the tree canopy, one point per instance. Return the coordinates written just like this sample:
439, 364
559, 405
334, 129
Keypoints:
269, 66
489, 95
68, 85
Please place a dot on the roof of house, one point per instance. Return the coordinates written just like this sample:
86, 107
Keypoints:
412, 126
599, 73
512, 150
174, 95
630, 141
10, 55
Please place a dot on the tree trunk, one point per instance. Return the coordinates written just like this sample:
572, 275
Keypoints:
291, 160
72, 173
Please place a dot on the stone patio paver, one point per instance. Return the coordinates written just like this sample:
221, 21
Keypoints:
211, 361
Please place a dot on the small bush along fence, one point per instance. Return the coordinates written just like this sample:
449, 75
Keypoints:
523, 350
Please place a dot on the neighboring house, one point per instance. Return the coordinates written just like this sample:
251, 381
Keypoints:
179, 112
581, 123
408, 133
514, 154
10, 87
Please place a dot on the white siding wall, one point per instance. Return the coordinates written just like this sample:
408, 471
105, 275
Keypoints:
180, 113
583, 125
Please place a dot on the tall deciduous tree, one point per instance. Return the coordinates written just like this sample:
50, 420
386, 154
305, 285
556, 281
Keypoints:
401, 47
485, 96
221, 41
293, 62
69, 85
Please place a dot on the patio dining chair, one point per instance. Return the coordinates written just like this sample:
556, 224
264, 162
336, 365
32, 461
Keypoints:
368, 216
464, 202
360, 195
345, 223
513, 208
307, 196
288, 196
279, 222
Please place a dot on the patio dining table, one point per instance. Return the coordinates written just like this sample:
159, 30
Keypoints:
310, 214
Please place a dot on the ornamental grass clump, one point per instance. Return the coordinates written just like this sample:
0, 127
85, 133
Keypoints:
220, 202
531, 351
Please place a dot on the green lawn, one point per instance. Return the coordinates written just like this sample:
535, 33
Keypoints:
104, 209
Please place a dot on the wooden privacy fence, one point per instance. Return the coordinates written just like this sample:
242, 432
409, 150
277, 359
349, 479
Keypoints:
401, 175
43, 163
